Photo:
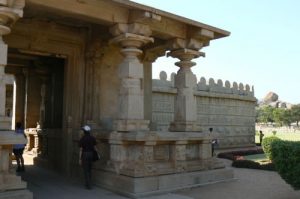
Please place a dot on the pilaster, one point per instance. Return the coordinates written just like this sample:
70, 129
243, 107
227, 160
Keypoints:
131, 37
185, 118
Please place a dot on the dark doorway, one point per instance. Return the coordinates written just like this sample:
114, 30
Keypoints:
39, 102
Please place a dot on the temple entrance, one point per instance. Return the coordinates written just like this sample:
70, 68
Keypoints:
38, 102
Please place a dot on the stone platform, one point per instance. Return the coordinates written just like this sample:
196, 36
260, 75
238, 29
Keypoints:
146, 186
149, 163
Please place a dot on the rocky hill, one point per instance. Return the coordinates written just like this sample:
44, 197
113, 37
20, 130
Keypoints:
272, 99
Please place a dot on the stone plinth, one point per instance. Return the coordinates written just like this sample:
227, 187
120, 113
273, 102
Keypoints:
143, 163
11, 186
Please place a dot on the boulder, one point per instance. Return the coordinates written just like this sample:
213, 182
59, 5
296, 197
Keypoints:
271, 97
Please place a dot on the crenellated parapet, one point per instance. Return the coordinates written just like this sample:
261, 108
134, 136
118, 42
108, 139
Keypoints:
204, 85
227, 88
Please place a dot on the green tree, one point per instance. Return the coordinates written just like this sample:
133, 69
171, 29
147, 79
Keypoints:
282, 116
265, 114
295, 113
278, 115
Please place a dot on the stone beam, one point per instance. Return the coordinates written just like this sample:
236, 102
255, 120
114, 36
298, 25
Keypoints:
164, 25
85, 9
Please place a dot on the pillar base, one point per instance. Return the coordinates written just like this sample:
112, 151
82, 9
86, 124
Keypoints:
11, 182
131, 125
185, 127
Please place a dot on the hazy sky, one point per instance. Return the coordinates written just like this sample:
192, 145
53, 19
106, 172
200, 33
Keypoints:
263, 49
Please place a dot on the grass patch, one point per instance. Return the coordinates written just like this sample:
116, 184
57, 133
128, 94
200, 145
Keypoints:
281, 135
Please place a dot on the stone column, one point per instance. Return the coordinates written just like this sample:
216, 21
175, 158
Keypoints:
10, 12
11, 186
185, 118
131, 37
150, 57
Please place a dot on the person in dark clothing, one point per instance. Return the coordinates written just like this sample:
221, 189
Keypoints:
87, 145
261, 136
19, 148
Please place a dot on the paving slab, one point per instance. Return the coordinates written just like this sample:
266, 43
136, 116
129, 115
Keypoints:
249, 184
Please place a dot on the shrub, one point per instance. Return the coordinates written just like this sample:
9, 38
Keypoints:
286, 157
274, 133
266, 145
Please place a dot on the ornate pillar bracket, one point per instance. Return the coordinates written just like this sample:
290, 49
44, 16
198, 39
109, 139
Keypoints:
185, 118
131, 37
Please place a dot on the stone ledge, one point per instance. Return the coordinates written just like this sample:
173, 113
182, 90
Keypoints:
146, 186
10, 138
131, 125
155, 135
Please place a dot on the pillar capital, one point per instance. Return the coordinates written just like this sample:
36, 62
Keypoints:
131, 40
185, 56
190, 43
10, 12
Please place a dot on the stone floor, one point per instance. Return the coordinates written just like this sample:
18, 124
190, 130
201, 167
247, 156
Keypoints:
250, 184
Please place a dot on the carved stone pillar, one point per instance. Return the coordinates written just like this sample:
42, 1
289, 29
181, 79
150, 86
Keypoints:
11, 186
185, 118
10, 12
131, 92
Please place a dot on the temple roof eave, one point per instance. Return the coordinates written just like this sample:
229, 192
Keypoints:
123, 11
219, 33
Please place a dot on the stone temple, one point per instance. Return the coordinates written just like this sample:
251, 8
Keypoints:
67, 63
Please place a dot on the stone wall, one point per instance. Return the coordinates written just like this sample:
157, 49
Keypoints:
227, 108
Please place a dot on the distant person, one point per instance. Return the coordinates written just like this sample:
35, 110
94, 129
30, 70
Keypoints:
214, 143
19, 148
87, 145
261, 136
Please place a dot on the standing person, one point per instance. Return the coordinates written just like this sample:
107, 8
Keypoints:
19, 148
261, 136
87, 145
